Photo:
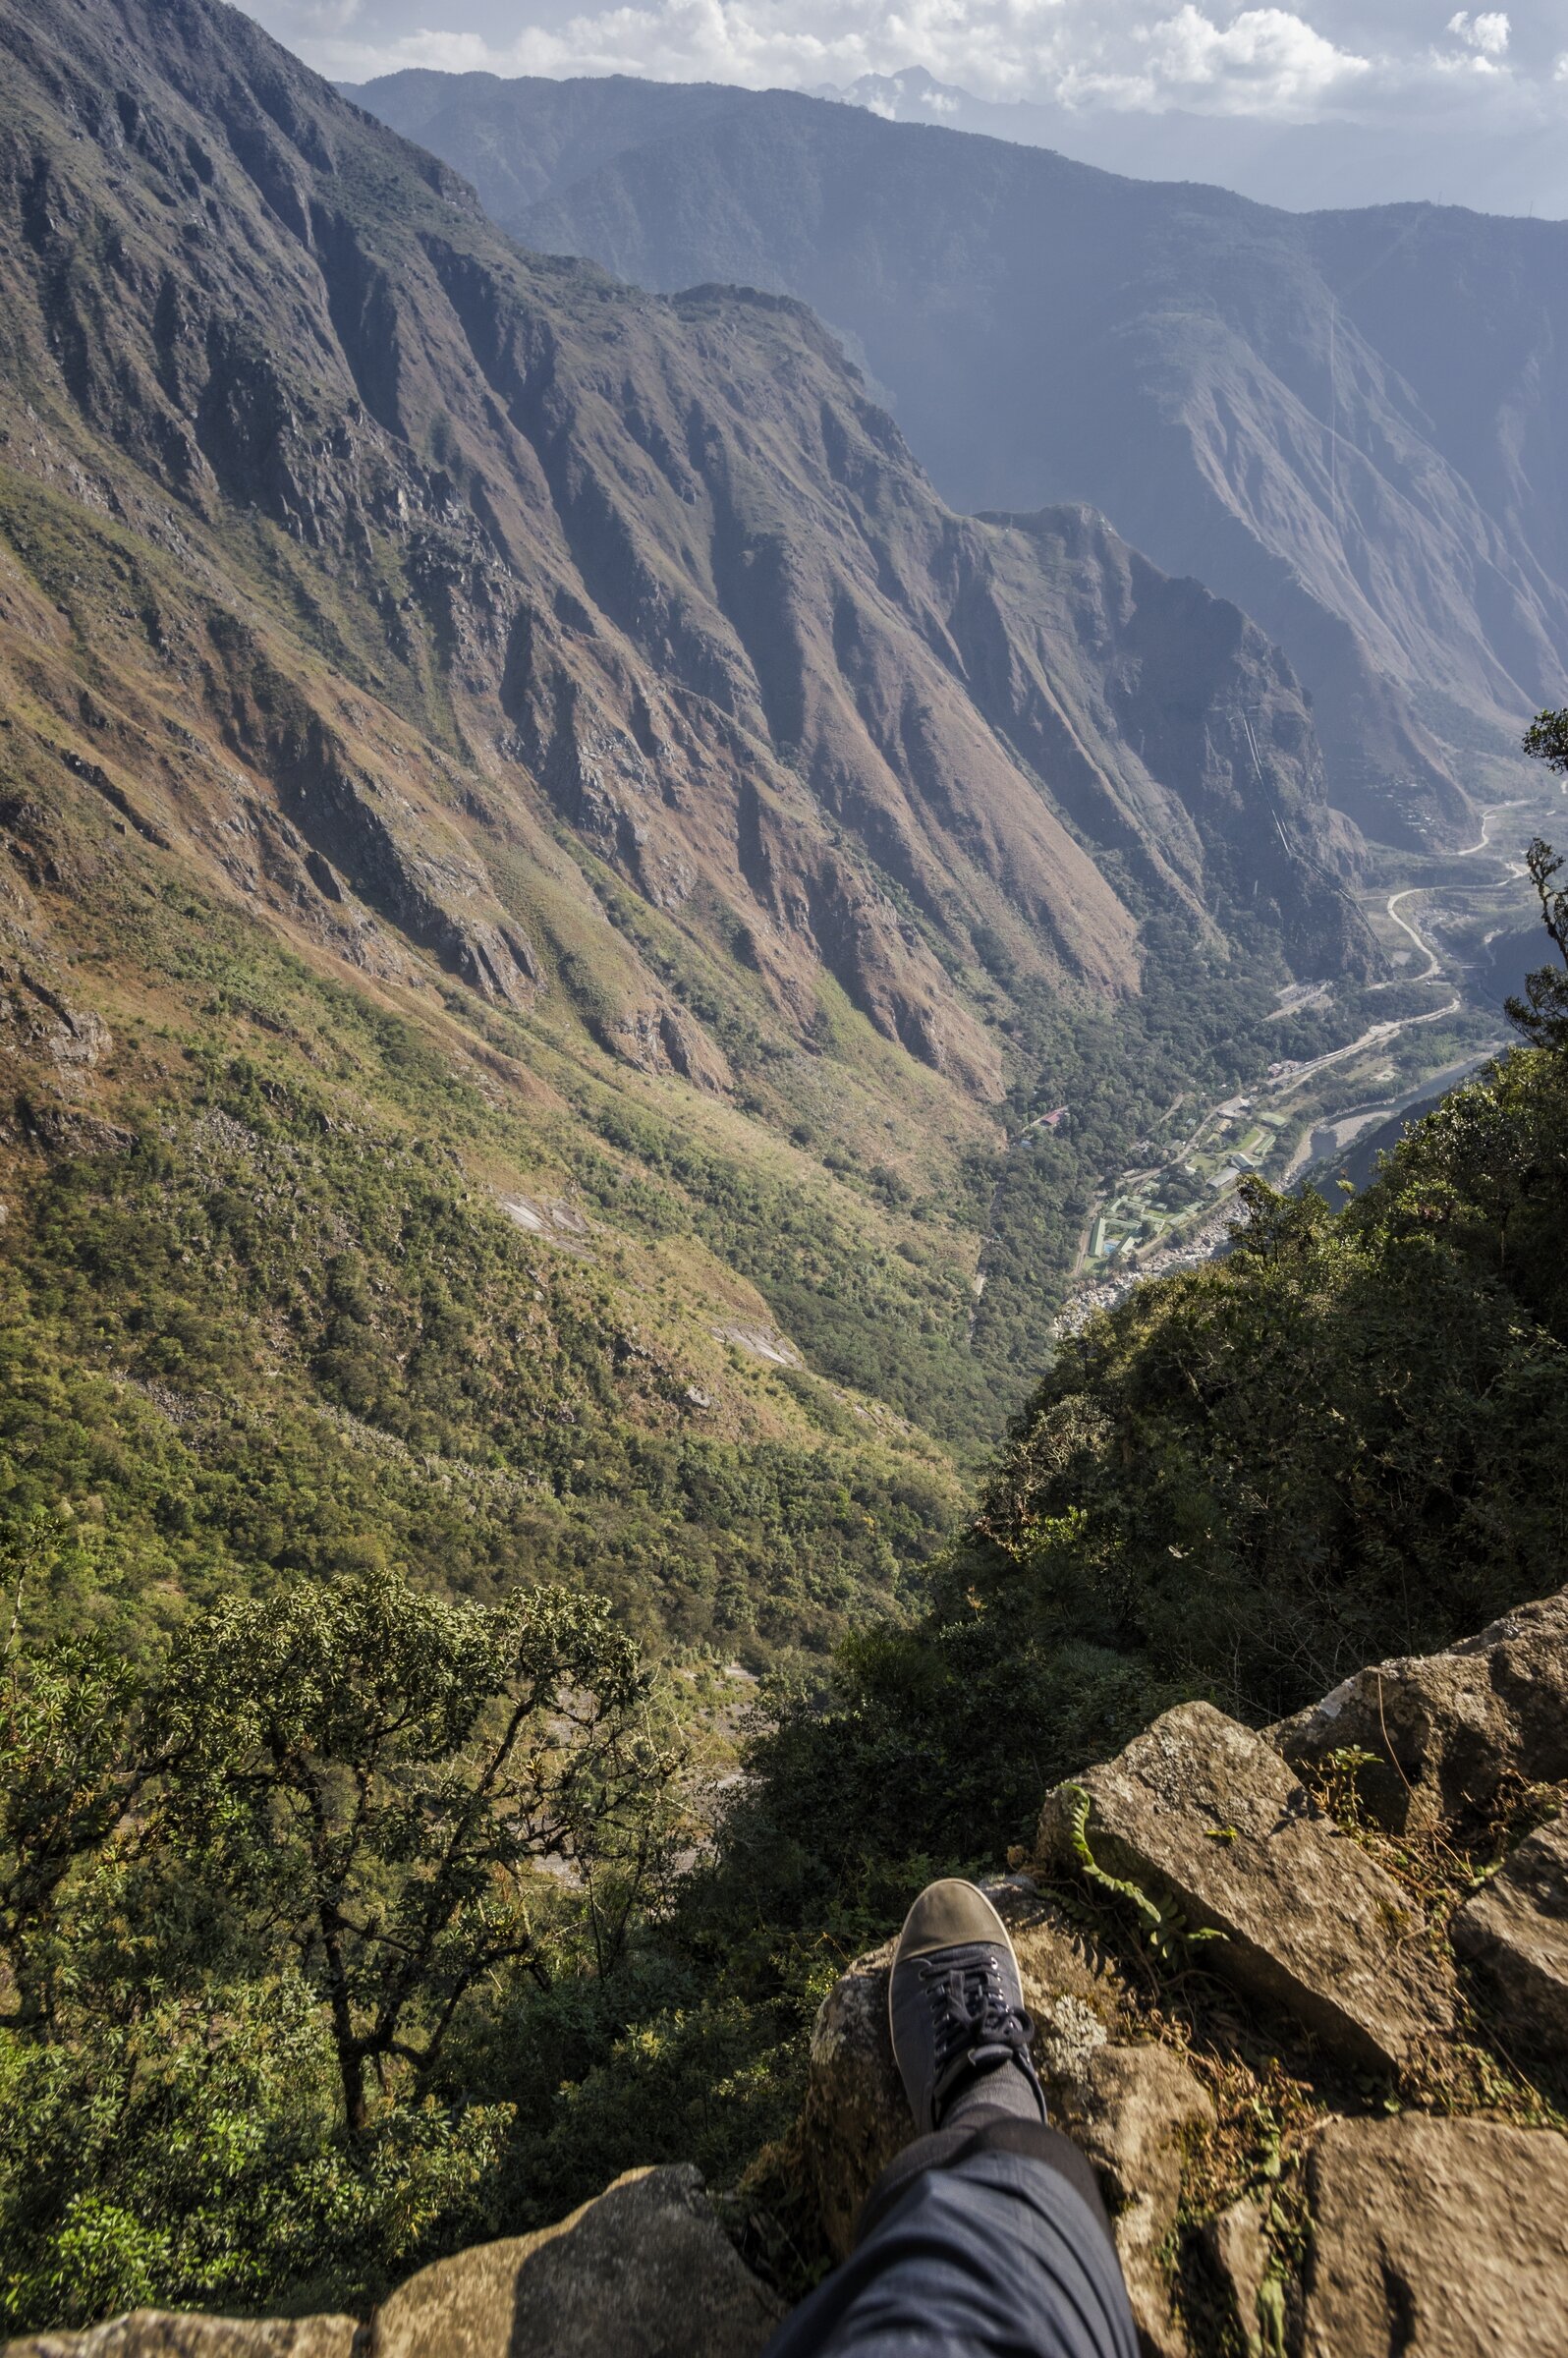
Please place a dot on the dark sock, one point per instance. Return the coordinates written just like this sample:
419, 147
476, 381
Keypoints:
1004, 2088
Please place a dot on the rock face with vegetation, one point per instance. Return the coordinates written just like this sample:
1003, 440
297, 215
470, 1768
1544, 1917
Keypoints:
1341, 418
185, 2333
1516, 1932
644, 2268
1432, 2234
1444, 1732
1301, 2053
1299, 1916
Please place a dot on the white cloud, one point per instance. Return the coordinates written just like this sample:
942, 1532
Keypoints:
1380, 62
1267, 60
1488, 33
312, 19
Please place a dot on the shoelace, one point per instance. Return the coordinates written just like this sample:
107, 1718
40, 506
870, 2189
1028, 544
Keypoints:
973, 2021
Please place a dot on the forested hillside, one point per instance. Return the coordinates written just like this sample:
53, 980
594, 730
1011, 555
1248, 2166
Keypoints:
1344, 1440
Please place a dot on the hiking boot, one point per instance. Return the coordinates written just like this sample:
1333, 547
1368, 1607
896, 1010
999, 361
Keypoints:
955, 2007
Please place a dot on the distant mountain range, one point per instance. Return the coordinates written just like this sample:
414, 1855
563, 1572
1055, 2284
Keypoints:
1347, 422
1292, 164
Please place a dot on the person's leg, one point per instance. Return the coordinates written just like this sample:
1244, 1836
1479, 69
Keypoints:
996, 2256
985, 2237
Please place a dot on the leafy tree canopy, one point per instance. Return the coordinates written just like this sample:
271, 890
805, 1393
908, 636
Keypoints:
319, 1826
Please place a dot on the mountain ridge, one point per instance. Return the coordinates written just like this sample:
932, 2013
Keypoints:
1273, 163
1268, 401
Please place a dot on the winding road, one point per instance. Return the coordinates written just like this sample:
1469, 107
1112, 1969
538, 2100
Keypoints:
1378, 1035
1482, 842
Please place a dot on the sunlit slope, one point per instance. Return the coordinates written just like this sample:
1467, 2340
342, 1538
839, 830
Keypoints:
542, 862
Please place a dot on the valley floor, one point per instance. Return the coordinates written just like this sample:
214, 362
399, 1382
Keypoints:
1178, 1210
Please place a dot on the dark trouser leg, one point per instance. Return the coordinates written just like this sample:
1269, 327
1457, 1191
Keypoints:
989, 2241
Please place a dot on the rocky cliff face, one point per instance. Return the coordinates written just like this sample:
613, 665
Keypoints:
1301, 1996
437, 550
1341, 419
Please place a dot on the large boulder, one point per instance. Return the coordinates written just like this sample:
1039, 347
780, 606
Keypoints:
1436, 2239
1131, 2114
644, 2270
166, 2333
856, 2116
1446, 1730
1200, 1808
1516, 1932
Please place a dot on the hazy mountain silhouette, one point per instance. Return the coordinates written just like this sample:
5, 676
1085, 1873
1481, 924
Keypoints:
1298, 165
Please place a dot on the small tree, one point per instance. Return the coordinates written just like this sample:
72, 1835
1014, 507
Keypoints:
68, 1778
376, 1774
1543, 1013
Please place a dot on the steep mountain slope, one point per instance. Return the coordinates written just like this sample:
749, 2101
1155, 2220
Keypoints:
1343, 420
595, 682
530, 139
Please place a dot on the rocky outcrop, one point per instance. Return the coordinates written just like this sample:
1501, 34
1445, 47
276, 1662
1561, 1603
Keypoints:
1131, 2114
646, 2271
1129, 2105
1260, 2213
1303, 1917
1444, 1731
162, 2334
1516, 1932
1440, 2238
856, 2116
402, 858
1236, 2243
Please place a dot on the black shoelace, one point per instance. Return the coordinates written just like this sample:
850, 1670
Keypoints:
975, 2024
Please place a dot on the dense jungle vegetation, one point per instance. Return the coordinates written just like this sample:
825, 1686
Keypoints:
348, 1918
